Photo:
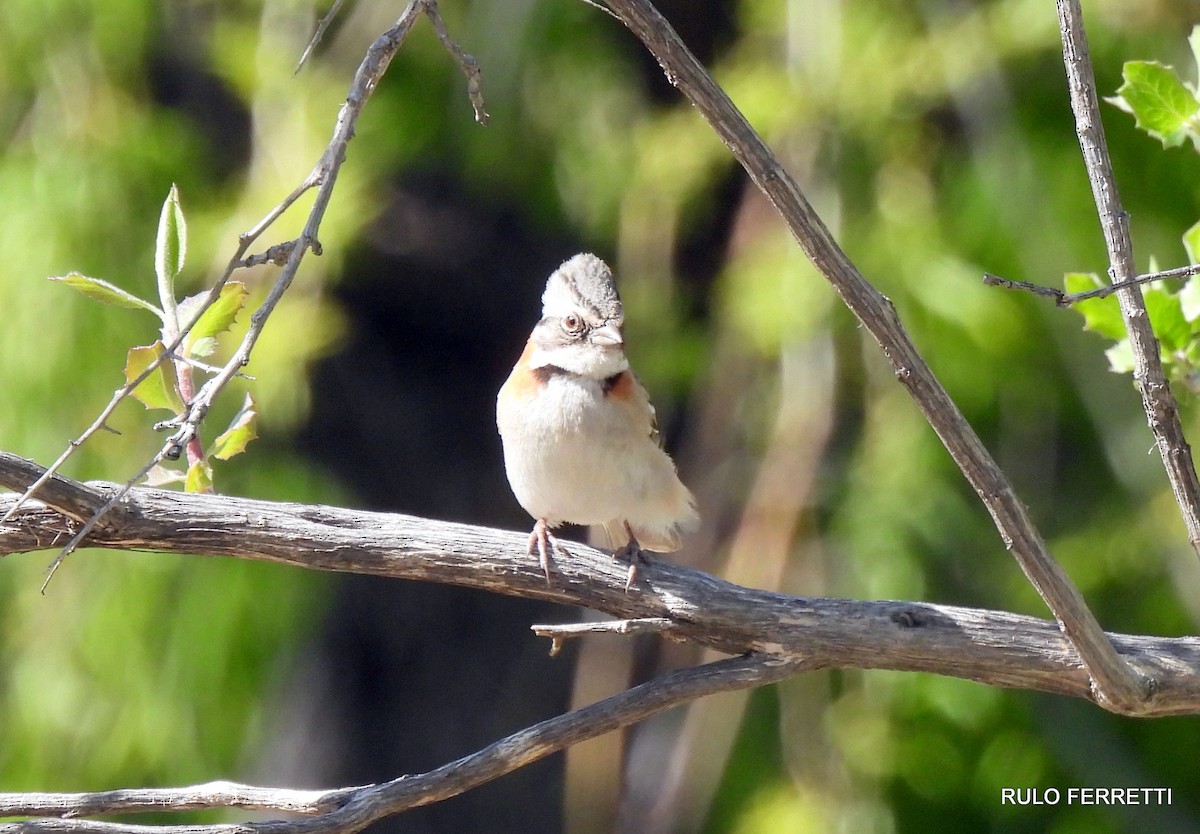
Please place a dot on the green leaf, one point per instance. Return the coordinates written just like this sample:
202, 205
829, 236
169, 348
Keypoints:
160, 389
1189, 301
1160, 102
219, 317
1120, 357
102, 290
1191, 242
160, 476
1167, 319
170, 245
199, 478
1101, 315
241, 431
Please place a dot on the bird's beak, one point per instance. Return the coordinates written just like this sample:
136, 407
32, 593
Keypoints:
607, 336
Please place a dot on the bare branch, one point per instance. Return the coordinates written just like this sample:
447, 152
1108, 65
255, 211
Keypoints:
1158, 401
323, 177
1115, 683
70, 498
290, 254
1066, 299
991, 647
558, 634
101, 422
318, 34
352, 809
277, 255
466, 63
111, 501
194, 797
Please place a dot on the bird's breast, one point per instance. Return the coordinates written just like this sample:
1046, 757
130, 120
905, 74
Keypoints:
568, 452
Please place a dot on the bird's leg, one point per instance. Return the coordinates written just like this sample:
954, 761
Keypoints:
634, 553
542, 542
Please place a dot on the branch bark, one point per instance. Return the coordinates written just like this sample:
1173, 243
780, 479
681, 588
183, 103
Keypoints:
1115, 683
991, 647
1162, 411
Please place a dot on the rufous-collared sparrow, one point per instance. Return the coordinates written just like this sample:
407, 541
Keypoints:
580, 437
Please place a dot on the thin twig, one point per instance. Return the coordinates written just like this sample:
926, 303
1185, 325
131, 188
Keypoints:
245, 241
1065, 299
66, 496
277, 255
86, 528
1062, 298
1114, 681
1158, 401
355, 808
101, 422
991, 280
466, 63
205, 367
323, 177
558, 634
318, 34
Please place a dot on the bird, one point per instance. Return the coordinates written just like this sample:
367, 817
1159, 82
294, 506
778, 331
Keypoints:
580, 437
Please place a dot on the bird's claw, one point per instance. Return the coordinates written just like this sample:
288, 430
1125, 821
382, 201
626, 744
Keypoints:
633, 553
543, 543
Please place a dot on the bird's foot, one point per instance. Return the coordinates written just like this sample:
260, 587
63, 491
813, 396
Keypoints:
632, 552
543, 543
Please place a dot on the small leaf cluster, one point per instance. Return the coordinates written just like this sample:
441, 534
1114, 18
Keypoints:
169, 386
1174, 315
1168, 108
1162, 103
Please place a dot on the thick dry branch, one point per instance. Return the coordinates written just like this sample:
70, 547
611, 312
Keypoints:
991, 647
1115, 683
1162, 411
191, 798
352, 809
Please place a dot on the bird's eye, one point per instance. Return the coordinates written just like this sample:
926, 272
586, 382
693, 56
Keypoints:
572, 323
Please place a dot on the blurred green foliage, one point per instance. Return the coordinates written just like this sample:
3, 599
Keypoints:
936, 139
133, 669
